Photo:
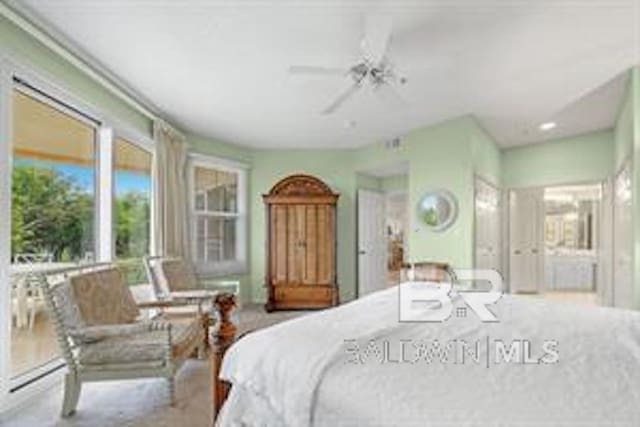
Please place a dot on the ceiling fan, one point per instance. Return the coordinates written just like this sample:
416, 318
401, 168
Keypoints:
373, 69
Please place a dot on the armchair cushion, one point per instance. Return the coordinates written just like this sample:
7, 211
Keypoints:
103, 298
143, 347
96, 333
178, 275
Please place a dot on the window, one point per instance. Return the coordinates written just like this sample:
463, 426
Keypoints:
52, 214
218, 219
132, 207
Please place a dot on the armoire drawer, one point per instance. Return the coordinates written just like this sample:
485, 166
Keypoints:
304, 295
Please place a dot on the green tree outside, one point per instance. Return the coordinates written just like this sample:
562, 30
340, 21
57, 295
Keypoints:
51, 214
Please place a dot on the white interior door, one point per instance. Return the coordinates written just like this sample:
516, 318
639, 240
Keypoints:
526, 218
623, 240
372, 251
488, 226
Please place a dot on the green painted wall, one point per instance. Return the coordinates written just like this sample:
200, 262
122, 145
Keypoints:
582, 158
441, 158
211, 147
486, 155
27, 51
368, 182
395, 183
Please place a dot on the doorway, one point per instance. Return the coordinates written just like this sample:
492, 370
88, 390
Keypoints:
382, 226
382, 238
555, 240
396, 230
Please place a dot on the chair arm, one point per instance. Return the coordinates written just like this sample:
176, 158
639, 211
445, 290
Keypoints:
163, 304
194, 294
174, 302
91, 334
216, 284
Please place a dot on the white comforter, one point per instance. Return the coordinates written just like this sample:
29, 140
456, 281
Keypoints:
299, 373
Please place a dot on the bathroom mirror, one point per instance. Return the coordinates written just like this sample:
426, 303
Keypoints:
438, 210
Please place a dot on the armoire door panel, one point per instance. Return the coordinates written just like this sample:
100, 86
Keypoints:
279, 244
295, 234
310, 245
322, 247
325, 238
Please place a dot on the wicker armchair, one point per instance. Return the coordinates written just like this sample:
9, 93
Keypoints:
100, 336
174, 278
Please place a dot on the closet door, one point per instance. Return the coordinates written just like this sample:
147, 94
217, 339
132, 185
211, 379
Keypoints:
488, 232
525, 240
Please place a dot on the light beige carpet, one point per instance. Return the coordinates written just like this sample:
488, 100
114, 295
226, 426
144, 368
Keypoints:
141, 403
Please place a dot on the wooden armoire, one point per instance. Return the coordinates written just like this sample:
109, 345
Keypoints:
301, 244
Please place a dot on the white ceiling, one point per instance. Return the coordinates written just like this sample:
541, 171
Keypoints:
219, 68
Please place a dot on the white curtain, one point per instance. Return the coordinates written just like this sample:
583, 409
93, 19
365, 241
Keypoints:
170, 207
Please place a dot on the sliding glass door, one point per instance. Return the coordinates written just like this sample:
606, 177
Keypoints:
52, 214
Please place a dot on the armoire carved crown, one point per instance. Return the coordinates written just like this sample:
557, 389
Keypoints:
300, 185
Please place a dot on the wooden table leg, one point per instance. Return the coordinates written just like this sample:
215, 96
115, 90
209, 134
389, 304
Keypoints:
222, 339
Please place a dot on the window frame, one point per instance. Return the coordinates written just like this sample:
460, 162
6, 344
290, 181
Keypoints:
96, 125
144, 143
240, 264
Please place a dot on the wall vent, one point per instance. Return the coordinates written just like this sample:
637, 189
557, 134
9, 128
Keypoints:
393, 144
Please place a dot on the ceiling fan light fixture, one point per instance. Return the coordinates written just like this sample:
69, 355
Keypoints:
547, 126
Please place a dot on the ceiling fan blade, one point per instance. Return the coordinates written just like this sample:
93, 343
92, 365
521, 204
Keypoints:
390, 96
342, 98
313, 70
377, 33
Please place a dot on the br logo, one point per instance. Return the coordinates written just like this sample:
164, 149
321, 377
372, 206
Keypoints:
434, 302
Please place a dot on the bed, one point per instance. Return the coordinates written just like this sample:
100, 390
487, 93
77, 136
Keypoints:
570, 366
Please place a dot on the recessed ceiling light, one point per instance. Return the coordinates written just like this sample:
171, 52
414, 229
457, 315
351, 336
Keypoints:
348, 124
547, 126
